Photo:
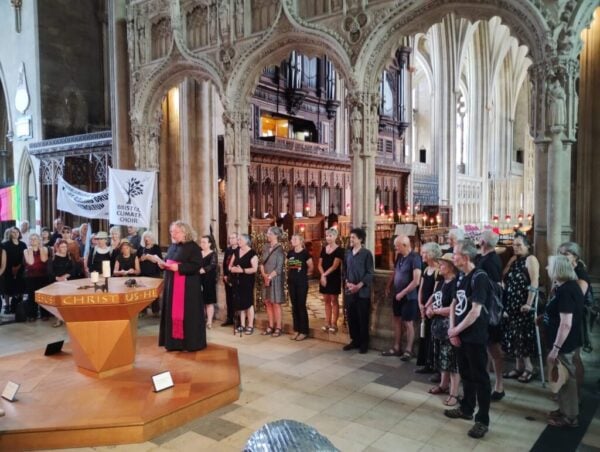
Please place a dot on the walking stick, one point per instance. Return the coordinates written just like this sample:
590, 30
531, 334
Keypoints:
538, 339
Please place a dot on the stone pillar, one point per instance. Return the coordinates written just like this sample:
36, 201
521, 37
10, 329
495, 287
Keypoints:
119, 84
587, 213
237, 163
557, 189
364, 121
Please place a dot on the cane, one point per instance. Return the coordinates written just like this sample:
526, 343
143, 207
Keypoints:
538, 339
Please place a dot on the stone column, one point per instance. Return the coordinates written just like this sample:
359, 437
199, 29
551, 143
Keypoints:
363, 138
237, 163
119, 84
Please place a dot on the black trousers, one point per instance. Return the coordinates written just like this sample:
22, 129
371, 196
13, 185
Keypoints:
425, 353
229, 302
298, 292
472, 366
358, 311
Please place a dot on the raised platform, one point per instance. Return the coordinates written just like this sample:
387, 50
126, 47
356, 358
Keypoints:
58, 407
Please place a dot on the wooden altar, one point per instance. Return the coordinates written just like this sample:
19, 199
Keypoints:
102, 326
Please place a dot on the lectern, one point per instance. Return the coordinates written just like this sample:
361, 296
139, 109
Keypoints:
102, 326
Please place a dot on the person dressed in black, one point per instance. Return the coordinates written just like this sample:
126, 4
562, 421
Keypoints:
242, 274
330, 283
14, 281
358, 283
228, 257
430, 253
148, 255
62, 267
563, 326
490, 262
127, 262
208, 277
300, 265
469, 322
99, 253
182, 318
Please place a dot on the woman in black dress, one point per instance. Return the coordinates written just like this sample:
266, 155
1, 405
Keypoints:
147, 255
14, 282
62, 267
126, 263
300, 265
208, 277
430, 252
243, 270
330, 284
99, 253
182, 319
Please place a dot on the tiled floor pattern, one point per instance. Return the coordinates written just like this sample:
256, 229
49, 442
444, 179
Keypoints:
360, 402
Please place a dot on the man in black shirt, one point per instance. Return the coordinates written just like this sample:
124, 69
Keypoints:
468, 331
490, 262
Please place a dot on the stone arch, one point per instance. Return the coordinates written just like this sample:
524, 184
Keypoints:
168, 75
246, 73
27, 171
524, 21
6, 99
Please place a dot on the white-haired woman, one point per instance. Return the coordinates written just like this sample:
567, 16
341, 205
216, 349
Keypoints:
455, 235
330, 283
182, 323
430, 253
562, 322
149, 255
271, 270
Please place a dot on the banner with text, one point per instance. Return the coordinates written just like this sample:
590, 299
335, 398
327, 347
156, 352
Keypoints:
78, 202
130, 197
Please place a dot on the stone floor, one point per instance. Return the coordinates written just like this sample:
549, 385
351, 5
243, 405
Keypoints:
360, 402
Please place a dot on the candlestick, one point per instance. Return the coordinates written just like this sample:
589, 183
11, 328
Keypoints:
106, 269
94, 277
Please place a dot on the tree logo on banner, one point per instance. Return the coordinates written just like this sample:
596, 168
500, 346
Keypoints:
134, 188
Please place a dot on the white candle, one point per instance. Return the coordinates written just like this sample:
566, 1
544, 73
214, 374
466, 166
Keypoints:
106, 269
94, 276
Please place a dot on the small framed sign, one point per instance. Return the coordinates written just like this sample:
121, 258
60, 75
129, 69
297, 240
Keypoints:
162, 381
53, 348
10, 391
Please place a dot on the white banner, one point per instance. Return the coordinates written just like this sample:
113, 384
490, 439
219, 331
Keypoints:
78, 202
130, 197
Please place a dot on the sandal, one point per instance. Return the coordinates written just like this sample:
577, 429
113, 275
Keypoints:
248, 330
406, 356
325, 328
512, 374
563, 421
267, 332
293, 338
301, 337
276, 332
448, 401
333, 329
391, 352
438, 390
526, 376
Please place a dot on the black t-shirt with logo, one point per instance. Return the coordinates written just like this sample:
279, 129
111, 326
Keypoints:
567, 299
469, 291
297, 266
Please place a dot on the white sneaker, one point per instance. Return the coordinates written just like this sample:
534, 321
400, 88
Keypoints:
325, 328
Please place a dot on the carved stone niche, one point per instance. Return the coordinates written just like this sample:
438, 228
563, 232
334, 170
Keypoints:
294, 98
331, 107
